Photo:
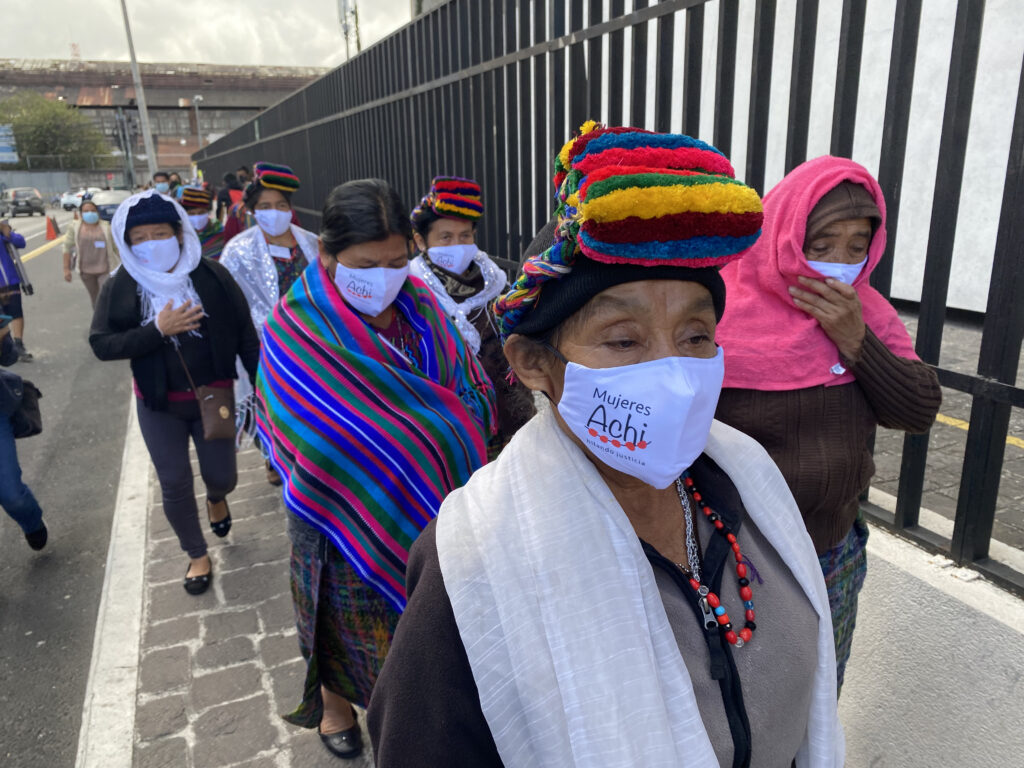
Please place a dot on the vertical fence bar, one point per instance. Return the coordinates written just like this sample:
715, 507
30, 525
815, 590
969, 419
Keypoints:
1000, 355
513, 133
577, 89
638, 70
693, 66
851, 45
595, 46
542, 107
801, 78
526, 117
894, 129
663, 73
725, 75
956, 120
550, 111
616, 61
760, 93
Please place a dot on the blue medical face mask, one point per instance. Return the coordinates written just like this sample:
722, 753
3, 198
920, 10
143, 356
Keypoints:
844, 273
162, 187
90, 217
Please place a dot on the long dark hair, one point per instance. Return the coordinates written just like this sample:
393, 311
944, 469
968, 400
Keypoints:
362, 211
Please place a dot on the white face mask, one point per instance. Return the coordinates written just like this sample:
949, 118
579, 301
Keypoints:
648, 420
158, 255
454, 258
844, 273
370, 291
199, 221
273, 221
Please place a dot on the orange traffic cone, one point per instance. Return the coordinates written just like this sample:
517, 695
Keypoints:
52, 230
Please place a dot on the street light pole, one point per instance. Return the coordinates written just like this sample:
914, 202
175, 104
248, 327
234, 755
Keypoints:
140, 97
196, 100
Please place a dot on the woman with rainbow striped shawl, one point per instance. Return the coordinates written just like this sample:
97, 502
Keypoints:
372, 409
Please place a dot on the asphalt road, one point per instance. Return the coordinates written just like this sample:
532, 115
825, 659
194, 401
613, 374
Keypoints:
49, 600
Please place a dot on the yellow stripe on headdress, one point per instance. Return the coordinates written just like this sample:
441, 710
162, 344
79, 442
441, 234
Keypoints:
653, 202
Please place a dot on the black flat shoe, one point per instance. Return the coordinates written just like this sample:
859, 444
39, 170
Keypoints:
37, 539
196, 585
222, 528
346, 744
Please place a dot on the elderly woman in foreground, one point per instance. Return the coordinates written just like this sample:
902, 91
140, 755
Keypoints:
589, 598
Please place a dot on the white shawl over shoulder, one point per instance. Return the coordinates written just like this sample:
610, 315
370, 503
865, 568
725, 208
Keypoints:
562, 621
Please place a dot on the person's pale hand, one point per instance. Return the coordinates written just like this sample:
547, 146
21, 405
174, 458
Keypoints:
185, 318
5, 228
67, 275
837, 309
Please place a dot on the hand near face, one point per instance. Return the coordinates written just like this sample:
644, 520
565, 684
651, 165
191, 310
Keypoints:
837, 309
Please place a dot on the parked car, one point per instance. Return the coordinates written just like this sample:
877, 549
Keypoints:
23, 200
71, 200
107, 201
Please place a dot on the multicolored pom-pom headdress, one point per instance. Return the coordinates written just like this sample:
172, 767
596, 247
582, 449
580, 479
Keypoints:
451, 197
634, 205
272, 176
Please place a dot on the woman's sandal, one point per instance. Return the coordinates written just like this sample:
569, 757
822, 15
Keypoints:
196, 585
221, 528
347, 744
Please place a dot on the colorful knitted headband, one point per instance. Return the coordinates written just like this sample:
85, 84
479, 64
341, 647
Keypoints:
271, 176
628, 196
196, 197
451, 197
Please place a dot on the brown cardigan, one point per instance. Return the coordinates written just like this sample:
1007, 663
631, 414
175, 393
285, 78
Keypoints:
819, 436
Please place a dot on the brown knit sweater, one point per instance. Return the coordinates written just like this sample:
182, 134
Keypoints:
819, 436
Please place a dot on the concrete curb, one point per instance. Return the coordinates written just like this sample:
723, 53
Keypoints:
108, 713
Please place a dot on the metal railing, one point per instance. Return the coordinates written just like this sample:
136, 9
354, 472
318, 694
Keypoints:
481, 86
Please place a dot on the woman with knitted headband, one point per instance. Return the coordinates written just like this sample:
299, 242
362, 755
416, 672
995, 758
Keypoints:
466, 283
265, 260
197, 202
589, 597
817, 359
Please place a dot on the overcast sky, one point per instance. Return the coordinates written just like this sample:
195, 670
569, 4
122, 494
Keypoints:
264, 32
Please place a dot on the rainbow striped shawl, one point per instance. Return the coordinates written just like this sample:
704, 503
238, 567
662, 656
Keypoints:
368, 446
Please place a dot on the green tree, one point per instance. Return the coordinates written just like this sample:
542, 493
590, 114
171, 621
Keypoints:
51, 128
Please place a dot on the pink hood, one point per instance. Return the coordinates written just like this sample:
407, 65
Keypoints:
770, 344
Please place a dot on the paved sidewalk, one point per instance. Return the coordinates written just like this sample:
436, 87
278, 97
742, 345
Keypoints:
217, 670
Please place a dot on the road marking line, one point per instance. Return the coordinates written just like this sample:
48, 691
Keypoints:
41, 249
108, 713
965, 425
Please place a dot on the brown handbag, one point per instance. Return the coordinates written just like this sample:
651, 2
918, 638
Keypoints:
216, 407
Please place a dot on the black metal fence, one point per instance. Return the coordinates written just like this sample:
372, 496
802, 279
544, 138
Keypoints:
491, 89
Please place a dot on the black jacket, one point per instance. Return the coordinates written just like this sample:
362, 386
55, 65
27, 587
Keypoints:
10, 383
117, 332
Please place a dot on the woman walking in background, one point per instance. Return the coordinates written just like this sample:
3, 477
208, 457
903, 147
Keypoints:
816, 359
373, 409
90, 243
466, 283
197, 202
266, 259
181, 321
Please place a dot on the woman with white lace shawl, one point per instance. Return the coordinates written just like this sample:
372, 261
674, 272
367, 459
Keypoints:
181, 320
265, 260
588, 599
466, 283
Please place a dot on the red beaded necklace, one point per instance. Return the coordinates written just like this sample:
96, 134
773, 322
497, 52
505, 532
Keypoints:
710, 604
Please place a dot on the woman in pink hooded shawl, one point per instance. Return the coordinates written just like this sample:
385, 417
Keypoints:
815, 359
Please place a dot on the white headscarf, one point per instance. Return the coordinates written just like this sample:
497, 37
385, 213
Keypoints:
157, 288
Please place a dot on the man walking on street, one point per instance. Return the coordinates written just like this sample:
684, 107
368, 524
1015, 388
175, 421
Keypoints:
10, 288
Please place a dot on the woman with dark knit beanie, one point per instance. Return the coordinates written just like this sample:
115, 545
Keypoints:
817, 358
181, 321
589, 597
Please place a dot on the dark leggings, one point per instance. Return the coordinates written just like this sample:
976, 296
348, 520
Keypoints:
167, 434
